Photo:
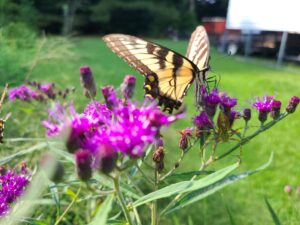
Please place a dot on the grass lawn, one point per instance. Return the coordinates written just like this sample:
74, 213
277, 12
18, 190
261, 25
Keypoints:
244, 201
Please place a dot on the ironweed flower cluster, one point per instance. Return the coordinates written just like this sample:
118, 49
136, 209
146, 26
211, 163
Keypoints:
105, 130
12, 186
34, 90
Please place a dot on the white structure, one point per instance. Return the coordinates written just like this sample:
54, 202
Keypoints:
265, 15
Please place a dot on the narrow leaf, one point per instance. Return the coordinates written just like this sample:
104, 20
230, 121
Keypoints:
101, 217
272, 212
185, 186
203, 192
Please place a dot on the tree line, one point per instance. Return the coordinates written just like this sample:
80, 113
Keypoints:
155, 18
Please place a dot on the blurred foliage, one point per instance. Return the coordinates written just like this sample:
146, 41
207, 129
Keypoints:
21, 51
148, 17
17, 45
18, 11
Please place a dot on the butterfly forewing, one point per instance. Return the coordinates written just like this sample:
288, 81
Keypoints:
167, 73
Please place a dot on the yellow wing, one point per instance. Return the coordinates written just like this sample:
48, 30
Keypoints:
168, 74
198, 49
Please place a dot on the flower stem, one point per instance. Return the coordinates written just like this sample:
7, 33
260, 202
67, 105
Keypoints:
121, 200
69, 207
154, 218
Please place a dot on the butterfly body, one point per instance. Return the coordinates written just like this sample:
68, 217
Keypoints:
168, 74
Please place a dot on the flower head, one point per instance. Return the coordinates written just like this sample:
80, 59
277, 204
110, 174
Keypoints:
48, 89
227, 103
23, 93
202, 121
263, 106
247, 114
212, 99
12, 186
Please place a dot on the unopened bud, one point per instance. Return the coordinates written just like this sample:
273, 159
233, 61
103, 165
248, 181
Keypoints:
275, 109
293, 103
83, 164
128, 85
247, 114
106, 158
87, 81
158, 158
110, 96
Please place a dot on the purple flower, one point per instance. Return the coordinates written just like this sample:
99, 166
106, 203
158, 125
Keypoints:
202, 121
128, 85
263, 106
227, 103
12, 186
293, 103
48, 89
97, 113
110, 97
211, 101
87, 81
23, 93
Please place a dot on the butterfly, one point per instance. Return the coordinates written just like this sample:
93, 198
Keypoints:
168, 74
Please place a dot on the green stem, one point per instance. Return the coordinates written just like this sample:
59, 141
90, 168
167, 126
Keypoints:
154, 218
176, 165
121, 200
250, 137
69, 207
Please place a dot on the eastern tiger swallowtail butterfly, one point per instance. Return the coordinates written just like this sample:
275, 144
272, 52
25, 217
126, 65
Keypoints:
168, 74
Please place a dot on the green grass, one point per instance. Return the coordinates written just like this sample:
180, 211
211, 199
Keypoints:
240, 78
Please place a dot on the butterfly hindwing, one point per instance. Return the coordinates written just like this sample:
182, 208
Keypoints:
168, 74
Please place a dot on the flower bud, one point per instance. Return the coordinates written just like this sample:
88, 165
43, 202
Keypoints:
158, 158
105, 159
275, 109
110, 96
184, 142
127, 87
233, 116
247, 114
87, 81
202, 121
263, 115
83, 160
293, 103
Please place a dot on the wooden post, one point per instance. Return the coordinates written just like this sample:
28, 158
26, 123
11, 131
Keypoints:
282, 48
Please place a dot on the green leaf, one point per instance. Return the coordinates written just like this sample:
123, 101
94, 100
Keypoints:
185, 186
20, 153
187, 175
203, 192
101, 216
273, 213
